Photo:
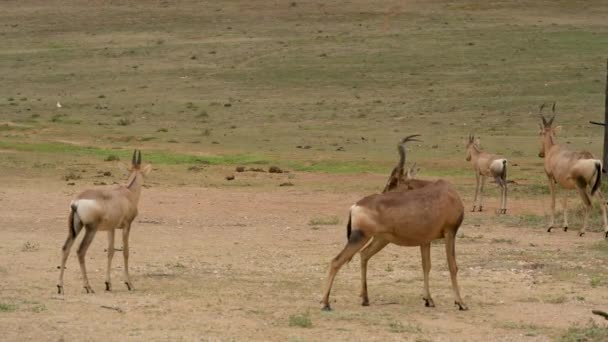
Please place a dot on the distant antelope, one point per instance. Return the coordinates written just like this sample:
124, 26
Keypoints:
571, 170
486, 164
105, 209
406, 217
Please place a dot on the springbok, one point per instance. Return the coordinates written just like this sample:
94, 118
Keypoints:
485, 165
105, 209
571, 170
406, 217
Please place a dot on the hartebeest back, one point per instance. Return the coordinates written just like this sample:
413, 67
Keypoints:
486, 164
571, 170
105, 209
406, 217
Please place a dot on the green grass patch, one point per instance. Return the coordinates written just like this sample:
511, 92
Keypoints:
300, 320
4, 307
324, 221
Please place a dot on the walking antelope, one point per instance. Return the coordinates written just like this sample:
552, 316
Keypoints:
485, 165
571, 170
105, 209
406, 217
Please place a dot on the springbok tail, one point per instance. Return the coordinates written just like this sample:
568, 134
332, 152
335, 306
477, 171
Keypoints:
598, 177
348, 227
74, 220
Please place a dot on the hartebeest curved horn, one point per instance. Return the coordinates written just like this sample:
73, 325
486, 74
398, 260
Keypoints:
139, 158
550, 122
397, 174
540, 113
134, 158
401, 147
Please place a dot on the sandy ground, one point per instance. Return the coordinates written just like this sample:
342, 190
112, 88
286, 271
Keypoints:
235, 264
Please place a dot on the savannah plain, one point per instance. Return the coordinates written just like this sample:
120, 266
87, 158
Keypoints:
323, 90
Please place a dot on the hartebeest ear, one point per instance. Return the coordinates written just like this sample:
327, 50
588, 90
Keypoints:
146, 170
557, 130
478, 141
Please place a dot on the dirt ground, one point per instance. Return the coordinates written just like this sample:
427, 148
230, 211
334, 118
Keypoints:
212, 264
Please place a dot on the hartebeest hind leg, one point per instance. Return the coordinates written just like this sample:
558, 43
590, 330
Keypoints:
125, 252
552, 191
503, 194
425, 251
483, 182
565, 209
110, 256
477, 182
356, 241
450, 250
374, 247
82, 251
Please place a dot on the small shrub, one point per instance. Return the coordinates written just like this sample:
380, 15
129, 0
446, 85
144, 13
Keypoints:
111, 157
162, 130
591, 332
300, 320
398, 327
124, 122
30, 247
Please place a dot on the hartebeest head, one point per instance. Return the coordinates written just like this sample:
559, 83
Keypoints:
547, 131
399, 174
472, 144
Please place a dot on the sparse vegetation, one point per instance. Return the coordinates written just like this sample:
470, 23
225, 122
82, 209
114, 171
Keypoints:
591, 332
4, 307
398, 327
300, 320
324, 221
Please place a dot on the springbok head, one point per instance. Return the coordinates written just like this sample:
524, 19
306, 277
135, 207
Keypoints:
547, 131
472, 144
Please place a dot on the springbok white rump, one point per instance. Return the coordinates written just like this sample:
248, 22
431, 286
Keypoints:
486, 164
105, 209
407, 217
571, 170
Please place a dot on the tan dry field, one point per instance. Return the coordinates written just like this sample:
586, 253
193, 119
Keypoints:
324, 90
241, 264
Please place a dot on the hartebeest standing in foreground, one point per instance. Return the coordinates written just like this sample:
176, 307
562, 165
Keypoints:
485, 165
105, 209
406, 217
571, 170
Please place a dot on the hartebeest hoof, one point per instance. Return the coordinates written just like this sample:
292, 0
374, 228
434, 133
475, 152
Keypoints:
365, 302
549, 229
89, 289
473, 208
606, 236
108, 286
326, 307
129, 286
581, 234
428, 302
461, 306
480, 208
565, 228
59, 289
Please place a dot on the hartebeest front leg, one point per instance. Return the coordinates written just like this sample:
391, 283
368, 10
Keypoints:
603, 206
477, 176
110, 256
425, 251
483, 182
82, 251
565, 208
450, 251
374, 247
552, 214
355, 243
125, 252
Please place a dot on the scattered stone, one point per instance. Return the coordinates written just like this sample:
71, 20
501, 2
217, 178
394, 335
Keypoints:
71, 183
286, 184
240, 169
99, 183
229, 178
340, 149
107, 174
